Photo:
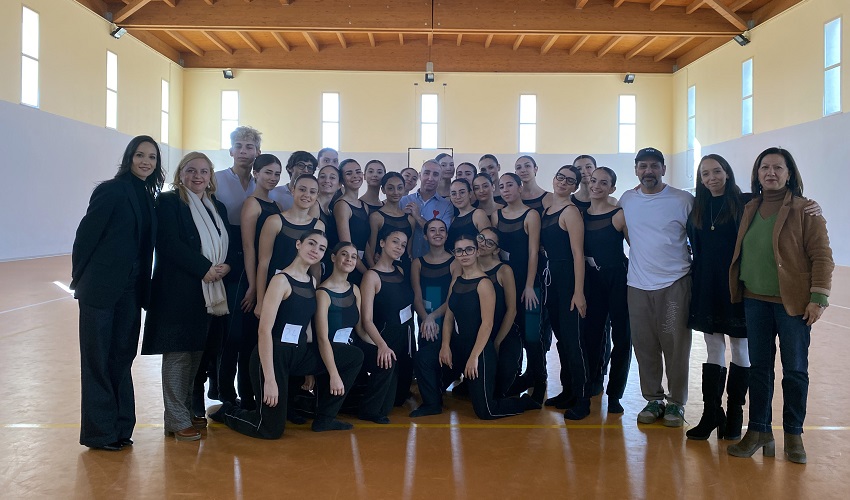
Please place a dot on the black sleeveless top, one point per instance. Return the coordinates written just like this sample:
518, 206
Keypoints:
267, 208
554, 239
395, 296
582, 205
515, 241
501, 306
297, 309
466, 307
333, 238
343, 312
358, 225
434, 282
536, 203
284, 251
400, 223
372, 208
602, 241
461, 224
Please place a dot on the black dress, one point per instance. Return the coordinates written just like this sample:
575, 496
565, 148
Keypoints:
434, 283
284, 250
359, 228
712, 310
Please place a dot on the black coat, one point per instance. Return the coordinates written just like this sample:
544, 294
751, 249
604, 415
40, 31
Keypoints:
107, 245
177, 320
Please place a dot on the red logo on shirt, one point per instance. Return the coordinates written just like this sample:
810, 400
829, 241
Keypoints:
436, 213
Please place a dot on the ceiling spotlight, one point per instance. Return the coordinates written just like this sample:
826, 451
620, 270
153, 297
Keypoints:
117, 31
630, 78
228, 74
429, 72
742, 39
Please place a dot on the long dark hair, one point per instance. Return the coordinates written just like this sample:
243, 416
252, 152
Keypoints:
734, 206
795, 182
155, 181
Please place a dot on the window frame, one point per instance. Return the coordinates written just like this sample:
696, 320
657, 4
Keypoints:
330, 123
30, 54
432, 126
527, 125
832, 69
623, 124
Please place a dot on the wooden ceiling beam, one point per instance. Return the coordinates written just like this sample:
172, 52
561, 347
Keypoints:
210, 2
459, 39
608, 46
700, 50
618, 3
654, 4
186, 43
488, 41
129, 10
646, 42
468, 57
401, 38
342, 40
250, 41
218, 42
280, 41
285, 2
311, 41
727, 14
548, 44
673, 47
580, 4
518, 41
771, 9
99, 7
454, 17
154, 42
371, 40
581, 41
430, 39
170, 3
740, 4
693, 6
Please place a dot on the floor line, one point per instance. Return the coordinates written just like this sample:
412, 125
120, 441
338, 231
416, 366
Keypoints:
34, 305
834, 324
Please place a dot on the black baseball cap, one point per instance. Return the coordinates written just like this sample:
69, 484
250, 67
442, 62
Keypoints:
649, 153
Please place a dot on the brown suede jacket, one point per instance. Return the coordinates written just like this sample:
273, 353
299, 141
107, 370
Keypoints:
803, 256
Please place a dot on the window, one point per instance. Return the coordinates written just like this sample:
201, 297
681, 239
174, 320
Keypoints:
111, 90
330, 120
163, 128
832, 67
694, 148
627, 121
229, 115
429, 121
29, 58
747, 97
527, 123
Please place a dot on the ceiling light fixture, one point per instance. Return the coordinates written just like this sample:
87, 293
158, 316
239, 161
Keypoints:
630, 78
117, 31
742, 39
228, 74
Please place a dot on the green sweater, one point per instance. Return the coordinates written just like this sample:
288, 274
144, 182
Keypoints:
758, 264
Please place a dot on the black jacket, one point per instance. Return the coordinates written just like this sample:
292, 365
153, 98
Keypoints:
107, 245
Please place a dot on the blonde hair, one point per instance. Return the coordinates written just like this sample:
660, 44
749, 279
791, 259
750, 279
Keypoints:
245, 133
180, 188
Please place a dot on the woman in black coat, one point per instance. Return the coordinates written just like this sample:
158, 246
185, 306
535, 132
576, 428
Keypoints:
110, 275
191, 259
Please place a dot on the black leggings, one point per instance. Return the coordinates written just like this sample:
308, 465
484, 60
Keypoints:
573, 350
606, 291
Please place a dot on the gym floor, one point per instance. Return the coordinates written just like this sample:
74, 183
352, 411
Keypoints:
453, 455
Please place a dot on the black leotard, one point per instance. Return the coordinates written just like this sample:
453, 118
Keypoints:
297, 309
602, 241
501, 305
434, 282
515, 243
395, 296
466, 307
581, 205
267, 208
536, 203
461, 224
554, 239
333, 238
284, 251
342, 312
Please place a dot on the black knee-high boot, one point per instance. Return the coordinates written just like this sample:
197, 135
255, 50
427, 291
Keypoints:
736, 398
713, 380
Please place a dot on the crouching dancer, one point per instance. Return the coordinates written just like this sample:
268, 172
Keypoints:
283, 351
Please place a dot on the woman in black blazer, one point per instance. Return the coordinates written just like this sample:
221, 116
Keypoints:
191, 259
110, 276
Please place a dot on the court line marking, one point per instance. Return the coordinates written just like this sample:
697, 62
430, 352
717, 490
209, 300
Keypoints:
834, 324
33, 305
434, 426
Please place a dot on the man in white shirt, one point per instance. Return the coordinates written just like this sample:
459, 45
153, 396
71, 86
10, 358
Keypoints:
233, 186
659, 291
425, 204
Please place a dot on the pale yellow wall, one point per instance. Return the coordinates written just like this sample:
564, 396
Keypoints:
380, 111
72, 66
787, 54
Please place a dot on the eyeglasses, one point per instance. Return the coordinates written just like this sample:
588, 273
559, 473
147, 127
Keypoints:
464, 251
303, 165
487, 242
571, 181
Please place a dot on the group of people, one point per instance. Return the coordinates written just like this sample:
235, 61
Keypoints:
273, 292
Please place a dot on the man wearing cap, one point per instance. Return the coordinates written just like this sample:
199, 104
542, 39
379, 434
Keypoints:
659, 291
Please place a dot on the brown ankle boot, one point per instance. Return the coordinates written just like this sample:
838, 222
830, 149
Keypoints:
753, 440
794, 450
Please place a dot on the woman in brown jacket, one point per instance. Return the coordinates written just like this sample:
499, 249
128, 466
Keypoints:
782, 269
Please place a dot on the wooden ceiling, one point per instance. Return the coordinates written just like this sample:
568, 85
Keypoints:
540, 36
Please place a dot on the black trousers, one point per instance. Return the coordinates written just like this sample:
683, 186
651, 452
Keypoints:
289, 359
404, 346
531, 332
431, 378
109, 341
482, 389
239, 340
606, 290
509, 363
574, 352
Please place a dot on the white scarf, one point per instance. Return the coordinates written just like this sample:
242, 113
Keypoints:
213, 247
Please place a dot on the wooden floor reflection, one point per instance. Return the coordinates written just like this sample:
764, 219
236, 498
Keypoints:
453, 455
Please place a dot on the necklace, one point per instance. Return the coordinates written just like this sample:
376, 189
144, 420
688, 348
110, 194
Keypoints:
713, 218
